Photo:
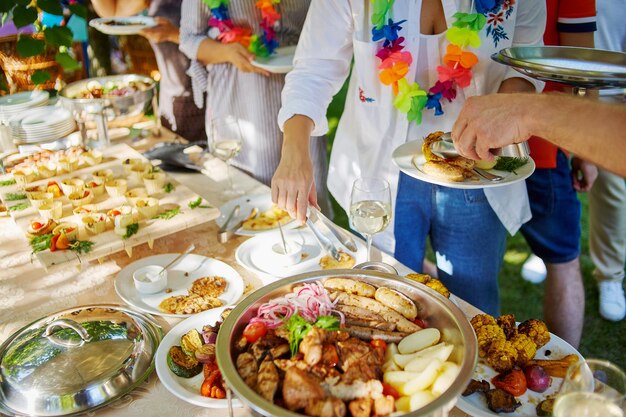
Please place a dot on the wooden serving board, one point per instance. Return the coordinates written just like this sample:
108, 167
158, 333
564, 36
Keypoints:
109, 242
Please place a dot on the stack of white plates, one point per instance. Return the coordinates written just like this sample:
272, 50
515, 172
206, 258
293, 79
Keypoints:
41, 125
16, 104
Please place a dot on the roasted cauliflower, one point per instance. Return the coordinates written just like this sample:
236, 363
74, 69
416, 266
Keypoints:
536, 330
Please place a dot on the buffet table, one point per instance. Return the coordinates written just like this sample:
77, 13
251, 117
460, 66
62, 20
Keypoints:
28, 292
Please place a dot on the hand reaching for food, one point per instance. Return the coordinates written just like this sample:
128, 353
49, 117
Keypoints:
164, 31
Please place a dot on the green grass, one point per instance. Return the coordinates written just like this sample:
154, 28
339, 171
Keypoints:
601, 338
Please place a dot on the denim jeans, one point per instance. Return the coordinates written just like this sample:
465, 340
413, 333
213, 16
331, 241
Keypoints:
465, 233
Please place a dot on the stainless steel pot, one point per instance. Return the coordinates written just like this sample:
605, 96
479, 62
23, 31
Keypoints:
102, 110
76, 360
438, 311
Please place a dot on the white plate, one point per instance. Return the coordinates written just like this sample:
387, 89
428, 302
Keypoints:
196, 266
92, 134
118, 28
403, 156
22, 100
188, 389
255, 254
476, 404
281, 62
246, 203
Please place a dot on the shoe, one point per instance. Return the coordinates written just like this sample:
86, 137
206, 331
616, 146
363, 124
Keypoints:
534, 270
612, 305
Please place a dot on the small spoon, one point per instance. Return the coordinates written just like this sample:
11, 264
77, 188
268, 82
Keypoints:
186, 252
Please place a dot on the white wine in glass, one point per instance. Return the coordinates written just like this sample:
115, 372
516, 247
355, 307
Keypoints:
226, 141
370, 208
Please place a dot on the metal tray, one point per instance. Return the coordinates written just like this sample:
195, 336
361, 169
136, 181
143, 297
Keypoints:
578, 67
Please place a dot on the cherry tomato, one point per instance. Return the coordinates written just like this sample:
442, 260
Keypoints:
254, 331
420, 323
513, 382
379, 343
53, 242
389, 390
329, 355
36, 225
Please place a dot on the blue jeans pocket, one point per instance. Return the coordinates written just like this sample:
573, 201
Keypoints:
475, 197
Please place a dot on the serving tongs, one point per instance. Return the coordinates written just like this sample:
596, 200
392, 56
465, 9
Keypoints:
229, 227
325, 242
344, 237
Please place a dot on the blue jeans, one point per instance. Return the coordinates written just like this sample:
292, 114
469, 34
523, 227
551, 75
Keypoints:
465, 233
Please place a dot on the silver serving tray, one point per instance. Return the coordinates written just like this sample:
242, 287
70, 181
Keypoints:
578, 67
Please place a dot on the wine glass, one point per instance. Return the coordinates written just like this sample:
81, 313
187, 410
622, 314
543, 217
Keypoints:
370, 208
225, 143
592, 388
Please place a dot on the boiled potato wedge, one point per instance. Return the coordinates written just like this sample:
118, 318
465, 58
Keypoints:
397, 379
403, 404
447, 375
423, 380
420, 399
419, 340
422, 358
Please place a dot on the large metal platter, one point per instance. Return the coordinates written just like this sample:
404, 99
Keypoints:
578, 67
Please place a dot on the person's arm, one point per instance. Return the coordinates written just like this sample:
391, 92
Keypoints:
164, 31
198, 47
321, 65
115, 8
590, 129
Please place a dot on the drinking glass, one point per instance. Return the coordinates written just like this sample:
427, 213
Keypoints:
225, 143
592, 388
370, 208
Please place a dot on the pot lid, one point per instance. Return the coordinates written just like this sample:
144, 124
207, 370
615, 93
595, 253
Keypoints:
76, 360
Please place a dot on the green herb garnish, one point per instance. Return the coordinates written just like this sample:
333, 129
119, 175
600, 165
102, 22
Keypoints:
6, 183
197, 203
169, 187
14, 196
297, 328
131, 229
510, 163
166, 215
327, 322
18, 207
83, 246
41, 243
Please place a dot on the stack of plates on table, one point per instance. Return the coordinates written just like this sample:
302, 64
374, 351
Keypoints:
16, 104
45, 124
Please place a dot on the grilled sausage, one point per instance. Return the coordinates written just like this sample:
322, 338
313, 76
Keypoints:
397, 301
350, 286
402, 324
367, 333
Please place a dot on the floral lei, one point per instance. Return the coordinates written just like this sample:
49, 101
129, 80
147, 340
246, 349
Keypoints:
263, 45
456, 71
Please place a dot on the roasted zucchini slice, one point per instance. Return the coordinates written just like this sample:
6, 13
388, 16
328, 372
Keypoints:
183, 365
191, 341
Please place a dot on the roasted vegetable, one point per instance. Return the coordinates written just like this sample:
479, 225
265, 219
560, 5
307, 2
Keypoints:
183, 365
536, 330
191, 342
525, 347
545, 408
486, 334
513, 382
480, 320
555, 367
536, 378
501, 355
205, 353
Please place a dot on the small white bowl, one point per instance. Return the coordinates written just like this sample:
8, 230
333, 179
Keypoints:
143, 279
71, 185
292, 257
116, 188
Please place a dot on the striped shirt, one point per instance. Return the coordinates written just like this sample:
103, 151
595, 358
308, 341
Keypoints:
251, 98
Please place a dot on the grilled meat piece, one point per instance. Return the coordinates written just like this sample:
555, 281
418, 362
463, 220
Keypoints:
536, 330
476, 386
311, 346
299, 388
367, 333
358, 389
502, 356
350, 351
265, 344
367, 367
267, 382
384, 406
500, 401
284, 364
280, 350
507, 323
328, 407
247, 369
241, 344
209, 286
361, 407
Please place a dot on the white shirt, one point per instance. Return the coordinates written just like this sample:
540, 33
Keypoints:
336, 31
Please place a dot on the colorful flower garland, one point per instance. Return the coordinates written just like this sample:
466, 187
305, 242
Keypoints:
456, 71
263, 45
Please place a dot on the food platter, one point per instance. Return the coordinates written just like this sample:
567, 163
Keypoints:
476, 405
261, 202
256, 254
180, 278
581, 67
188, 390
122, 25
281, 62
410, 158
